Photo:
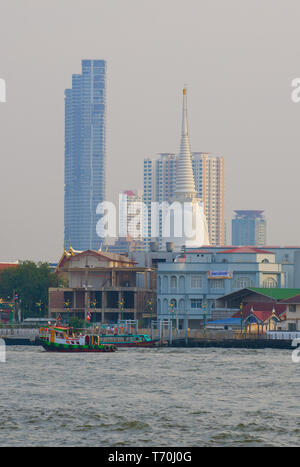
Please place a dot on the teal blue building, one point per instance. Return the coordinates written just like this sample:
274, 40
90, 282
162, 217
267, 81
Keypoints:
188, 287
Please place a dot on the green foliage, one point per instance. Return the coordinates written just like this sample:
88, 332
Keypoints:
31, 282
77, 323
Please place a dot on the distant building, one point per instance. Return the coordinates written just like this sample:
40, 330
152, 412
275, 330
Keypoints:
159, 186
125, 246
172, 178
249, 228
208, 171
85, 151
131, 215
209, 182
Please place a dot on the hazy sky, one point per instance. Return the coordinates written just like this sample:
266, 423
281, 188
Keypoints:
238, 58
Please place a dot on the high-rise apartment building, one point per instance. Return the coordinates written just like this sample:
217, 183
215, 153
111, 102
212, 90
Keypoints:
249, 228
131, 214
208, 170
209, 182
159, 186
85, 148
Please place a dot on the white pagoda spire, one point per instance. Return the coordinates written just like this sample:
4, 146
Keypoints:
185, 184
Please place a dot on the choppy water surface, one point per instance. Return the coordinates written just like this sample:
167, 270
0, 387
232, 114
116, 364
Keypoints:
150, 397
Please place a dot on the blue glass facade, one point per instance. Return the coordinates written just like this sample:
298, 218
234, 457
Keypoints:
85, 148
249, 228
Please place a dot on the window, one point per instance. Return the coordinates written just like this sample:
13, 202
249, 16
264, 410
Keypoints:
269, 283
217, 284
196, 281
196, 303
292, 308
173, 282
242, 283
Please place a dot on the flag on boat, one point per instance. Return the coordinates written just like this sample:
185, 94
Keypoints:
58, 319
89, 316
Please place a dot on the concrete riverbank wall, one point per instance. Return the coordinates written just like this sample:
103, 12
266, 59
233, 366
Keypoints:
234, 343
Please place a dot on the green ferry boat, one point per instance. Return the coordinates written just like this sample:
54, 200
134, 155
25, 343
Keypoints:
64, 339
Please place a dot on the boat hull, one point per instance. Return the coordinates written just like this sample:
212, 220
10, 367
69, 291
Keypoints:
135, 344
65, 348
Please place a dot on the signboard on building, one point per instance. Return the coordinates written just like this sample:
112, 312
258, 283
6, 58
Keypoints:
219, 274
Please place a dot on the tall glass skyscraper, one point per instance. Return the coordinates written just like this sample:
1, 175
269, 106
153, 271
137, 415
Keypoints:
85, 148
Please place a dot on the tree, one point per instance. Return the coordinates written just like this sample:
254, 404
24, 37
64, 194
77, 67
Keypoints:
77, 323
30, 281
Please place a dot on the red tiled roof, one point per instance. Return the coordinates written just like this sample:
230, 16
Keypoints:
247, 249
262, 315
293, 300
261, 309
4, 266
129, 193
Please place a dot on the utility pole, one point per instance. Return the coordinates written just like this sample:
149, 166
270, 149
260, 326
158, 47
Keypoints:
94, 304
149, 306
241, 315
39, 305
67, 305
121, 303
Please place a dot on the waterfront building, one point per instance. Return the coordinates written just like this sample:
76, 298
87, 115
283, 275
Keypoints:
85, 153
292, 322
249, 228
191, 284
252, 318
250, 296
109, 285
263, 307
287, 256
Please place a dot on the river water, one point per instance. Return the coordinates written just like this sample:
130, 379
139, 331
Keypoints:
150, 397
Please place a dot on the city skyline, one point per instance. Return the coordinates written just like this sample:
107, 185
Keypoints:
241, 105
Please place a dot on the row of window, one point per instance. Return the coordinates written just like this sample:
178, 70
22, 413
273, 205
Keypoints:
196, 282
195, 304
